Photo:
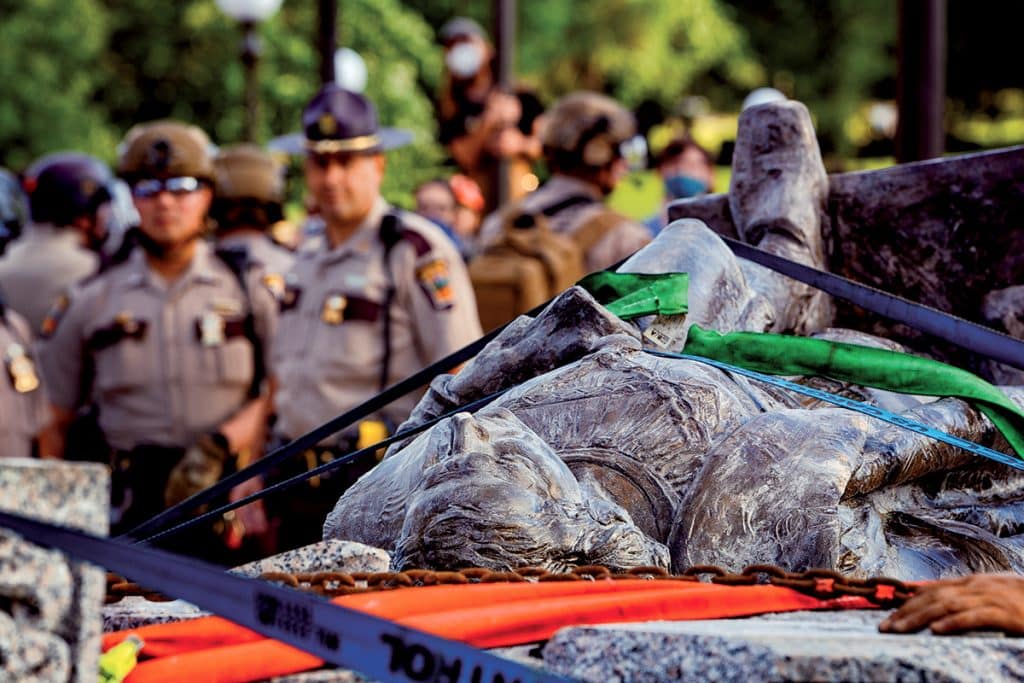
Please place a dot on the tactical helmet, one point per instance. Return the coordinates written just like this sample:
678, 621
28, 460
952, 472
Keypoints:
13, 207
246, 177
247, 172
584, 130
64, 186
165, 149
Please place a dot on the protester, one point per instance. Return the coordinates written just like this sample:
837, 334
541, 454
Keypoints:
469, 206
686, 170
482, 122
436, 200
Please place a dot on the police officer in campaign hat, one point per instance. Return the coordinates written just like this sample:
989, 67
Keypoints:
66, 192
248, 201
170, 343
24, 411
590, 143
383, 294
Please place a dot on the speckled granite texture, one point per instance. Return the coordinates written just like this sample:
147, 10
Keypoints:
335, 556
820, 646
69, 593
325, 556
132, 612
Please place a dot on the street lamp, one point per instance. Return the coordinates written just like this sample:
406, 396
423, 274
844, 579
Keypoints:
249, 13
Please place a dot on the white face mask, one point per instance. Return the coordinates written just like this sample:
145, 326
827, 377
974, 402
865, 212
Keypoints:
464, 60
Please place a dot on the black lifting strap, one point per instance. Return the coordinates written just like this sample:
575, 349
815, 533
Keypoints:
237, 261
391, 230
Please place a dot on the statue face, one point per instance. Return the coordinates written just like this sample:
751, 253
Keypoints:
501, 498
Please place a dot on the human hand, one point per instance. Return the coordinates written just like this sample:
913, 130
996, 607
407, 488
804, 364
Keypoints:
992, 602
200, 468
509, 142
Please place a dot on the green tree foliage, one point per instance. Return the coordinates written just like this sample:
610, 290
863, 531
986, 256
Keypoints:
830, 54
633, 49
48, 55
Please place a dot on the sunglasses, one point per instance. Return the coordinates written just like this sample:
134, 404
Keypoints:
178, 185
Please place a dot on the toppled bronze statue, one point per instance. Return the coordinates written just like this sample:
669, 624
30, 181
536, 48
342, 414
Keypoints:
602, 453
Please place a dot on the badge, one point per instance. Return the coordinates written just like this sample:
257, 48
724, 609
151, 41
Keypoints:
211, 329
21, 368
436, 284
333, 311
127, 322
52, 319
328, 126
275, 283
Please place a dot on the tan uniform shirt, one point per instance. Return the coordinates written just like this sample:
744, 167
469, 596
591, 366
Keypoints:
24, 410
169, 361
40, 267
263, 251
330, 345
618, 242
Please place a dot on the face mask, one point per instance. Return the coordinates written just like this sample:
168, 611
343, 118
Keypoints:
683, 186
464, 60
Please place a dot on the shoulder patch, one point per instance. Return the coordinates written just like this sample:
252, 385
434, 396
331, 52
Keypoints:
435, 281
53, 317
275, 283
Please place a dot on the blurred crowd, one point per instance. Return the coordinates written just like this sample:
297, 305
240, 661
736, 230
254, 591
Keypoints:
165, 318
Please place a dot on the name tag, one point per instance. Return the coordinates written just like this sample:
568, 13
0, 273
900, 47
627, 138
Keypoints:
211, 329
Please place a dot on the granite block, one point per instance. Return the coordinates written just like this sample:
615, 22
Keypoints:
74, 495
820, 646
325, 556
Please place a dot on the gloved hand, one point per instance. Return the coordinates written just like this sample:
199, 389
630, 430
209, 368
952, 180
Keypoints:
200, 468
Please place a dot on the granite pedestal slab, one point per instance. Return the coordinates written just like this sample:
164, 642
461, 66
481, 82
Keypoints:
333, 556
819, 646
50, 622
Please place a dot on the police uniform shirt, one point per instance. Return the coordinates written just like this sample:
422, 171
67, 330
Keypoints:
263, 251
168, 360
330, 346
40, 267
617, 243
23, 405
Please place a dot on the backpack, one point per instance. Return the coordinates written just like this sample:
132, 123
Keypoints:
530, 263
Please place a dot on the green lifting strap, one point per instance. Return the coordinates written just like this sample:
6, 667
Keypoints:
777, 354
632, 295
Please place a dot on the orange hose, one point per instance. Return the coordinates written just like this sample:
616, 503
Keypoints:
162, 640
497, 619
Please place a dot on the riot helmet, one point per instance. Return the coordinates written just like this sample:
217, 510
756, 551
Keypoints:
65, 186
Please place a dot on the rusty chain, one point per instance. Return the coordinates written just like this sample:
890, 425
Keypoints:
824, 584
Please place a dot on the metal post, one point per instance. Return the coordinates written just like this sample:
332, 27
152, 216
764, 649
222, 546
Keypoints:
921, 87
327, 39
250, 60
503, 15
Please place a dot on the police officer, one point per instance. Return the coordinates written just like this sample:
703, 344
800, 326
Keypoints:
381, 296
248, 198
24, 412
65, 191
586, 144
169, 344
